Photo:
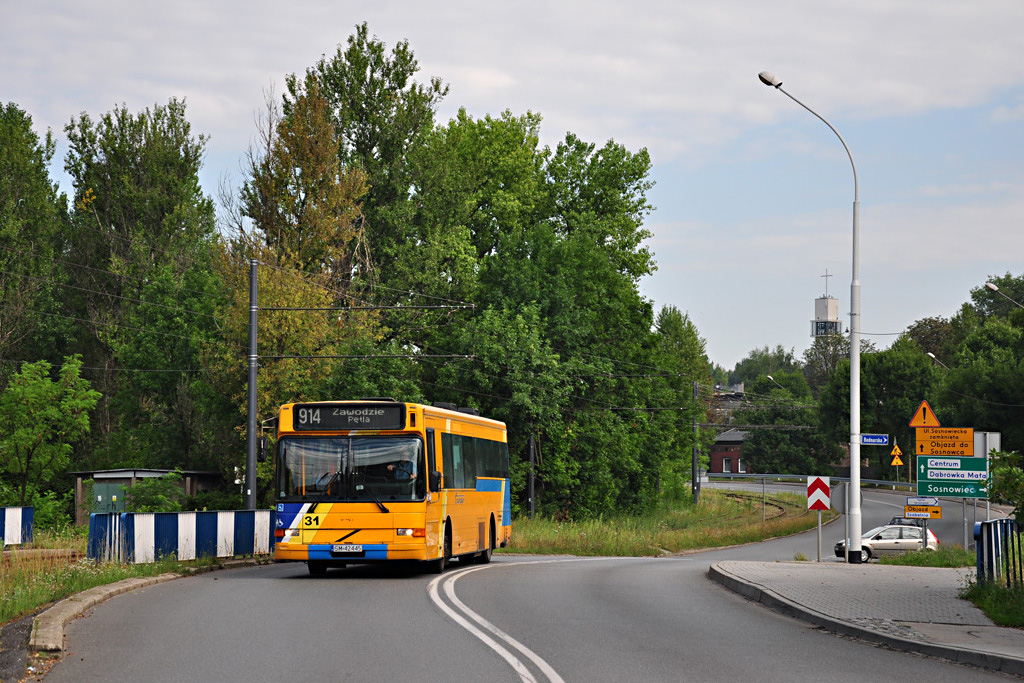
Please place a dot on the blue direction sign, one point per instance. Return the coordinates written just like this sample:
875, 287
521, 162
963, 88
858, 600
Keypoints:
874, 439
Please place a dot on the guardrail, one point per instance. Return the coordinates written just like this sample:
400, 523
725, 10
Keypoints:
143, 537
16, 525
998, 547
802, 478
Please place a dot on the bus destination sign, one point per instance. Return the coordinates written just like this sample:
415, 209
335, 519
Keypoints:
345, 416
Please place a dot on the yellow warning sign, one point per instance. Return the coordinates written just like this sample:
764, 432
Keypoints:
896, 462
896, 450
924, 417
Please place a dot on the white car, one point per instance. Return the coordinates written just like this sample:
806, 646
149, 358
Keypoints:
890, 539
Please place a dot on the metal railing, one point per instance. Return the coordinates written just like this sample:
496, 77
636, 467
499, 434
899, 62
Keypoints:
998, 547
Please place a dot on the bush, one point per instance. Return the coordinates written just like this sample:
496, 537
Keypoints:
215, 500
156, 494
51, 512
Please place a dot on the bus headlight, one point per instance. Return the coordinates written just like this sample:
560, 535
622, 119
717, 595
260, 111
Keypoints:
415, 533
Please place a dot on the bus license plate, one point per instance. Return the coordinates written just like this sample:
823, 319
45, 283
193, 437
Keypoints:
346, 548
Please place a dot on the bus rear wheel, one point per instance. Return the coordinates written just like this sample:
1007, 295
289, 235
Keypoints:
485, 555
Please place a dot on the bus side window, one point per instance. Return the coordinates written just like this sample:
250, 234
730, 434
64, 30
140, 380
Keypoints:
469, 457
448, 460
432, 461
458, 476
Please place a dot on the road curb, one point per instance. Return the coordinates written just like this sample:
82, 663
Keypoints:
778, 603
48, 627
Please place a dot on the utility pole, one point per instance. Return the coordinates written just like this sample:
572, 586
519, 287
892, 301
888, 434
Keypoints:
693, 467
250, 455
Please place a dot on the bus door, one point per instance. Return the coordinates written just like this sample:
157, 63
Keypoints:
435, 508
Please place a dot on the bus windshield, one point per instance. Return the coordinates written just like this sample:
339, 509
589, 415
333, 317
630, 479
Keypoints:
344, 468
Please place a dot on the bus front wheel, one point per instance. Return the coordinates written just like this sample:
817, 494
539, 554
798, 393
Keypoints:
438, 566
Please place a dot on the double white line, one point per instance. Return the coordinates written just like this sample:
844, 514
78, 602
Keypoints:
491, 635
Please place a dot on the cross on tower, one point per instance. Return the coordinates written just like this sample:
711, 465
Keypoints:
827, 276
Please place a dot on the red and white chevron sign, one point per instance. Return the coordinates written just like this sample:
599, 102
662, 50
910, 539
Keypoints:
817, 493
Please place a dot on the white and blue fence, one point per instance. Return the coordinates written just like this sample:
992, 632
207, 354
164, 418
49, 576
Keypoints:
141, 537
16, 525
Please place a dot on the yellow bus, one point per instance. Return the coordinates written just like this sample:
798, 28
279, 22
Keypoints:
381, 480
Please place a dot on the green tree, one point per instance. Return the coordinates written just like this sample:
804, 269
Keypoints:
1007, 485
822, 358
145, 287
381, 115
763, 361
41, 420
788, 439
982, 387
893, 384
33, 218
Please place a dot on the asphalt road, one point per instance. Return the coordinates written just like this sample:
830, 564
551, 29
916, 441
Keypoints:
520, 618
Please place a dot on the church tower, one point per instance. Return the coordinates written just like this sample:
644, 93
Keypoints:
826, 314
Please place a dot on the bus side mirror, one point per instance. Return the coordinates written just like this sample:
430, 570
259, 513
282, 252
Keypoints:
261, 450
435, 481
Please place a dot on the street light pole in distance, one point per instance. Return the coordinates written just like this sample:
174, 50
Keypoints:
991, 286
853, 542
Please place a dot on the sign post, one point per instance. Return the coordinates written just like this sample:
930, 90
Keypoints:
818, 499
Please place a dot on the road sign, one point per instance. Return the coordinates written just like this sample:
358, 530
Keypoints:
922, 500
924, 417
896, 453
958, 441
922, 512
874, 439
817, 493
896, 462
956, 477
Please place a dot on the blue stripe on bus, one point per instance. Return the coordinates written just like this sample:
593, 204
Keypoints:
506, 512
489, 485
377, 551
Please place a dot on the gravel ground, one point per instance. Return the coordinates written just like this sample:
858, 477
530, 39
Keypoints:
14, 649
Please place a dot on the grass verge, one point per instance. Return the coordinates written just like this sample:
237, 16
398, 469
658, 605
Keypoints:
945, 556
35, 576
720, 519
1002, 604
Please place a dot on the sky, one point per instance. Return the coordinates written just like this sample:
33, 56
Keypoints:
753, 195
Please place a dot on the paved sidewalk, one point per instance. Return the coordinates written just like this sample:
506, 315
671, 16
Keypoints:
915, 609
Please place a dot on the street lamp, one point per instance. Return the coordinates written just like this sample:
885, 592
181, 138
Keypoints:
932, 356
775, 383
992, 286
853, 542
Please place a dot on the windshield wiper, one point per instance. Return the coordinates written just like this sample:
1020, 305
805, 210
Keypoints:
334, 477
379, 504
370, 492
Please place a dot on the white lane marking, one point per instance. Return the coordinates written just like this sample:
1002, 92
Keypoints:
514, 661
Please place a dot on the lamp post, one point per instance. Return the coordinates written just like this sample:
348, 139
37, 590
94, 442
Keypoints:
992, 287
936, 360
774, 382
853, 542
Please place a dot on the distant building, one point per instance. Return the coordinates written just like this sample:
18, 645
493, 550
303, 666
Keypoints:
109, 487
725, 456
